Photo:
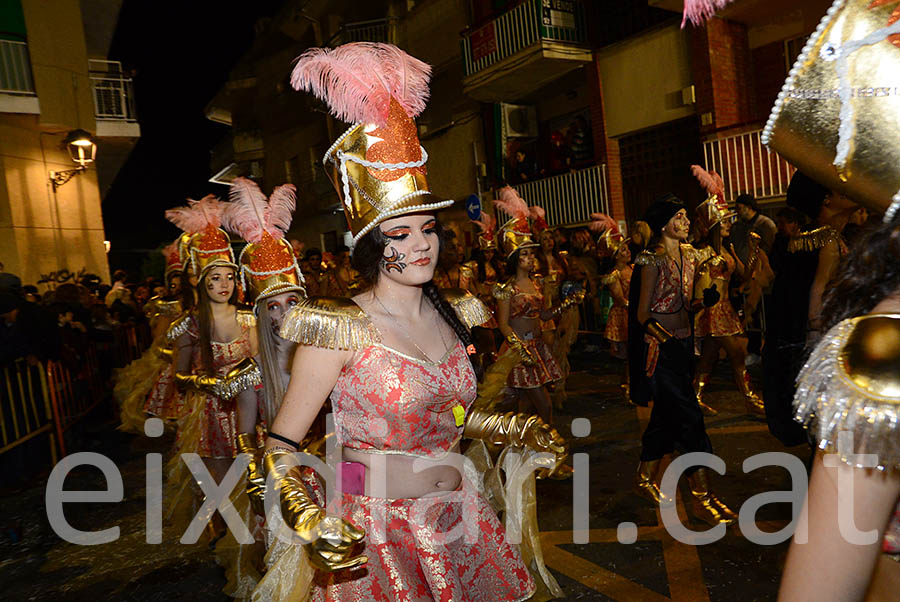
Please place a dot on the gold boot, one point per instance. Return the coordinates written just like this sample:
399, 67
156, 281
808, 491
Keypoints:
700, 382
707, 507
625, 384
646, 483
751, 397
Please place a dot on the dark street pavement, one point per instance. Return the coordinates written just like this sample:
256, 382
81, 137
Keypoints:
35, 564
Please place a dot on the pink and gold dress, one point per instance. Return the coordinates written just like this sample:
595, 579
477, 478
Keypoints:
720, 320
617, 322
545, 369
386, 402
209, 427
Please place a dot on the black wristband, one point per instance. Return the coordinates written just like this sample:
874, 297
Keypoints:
278, 437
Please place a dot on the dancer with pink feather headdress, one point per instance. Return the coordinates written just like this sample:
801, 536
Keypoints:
719, 326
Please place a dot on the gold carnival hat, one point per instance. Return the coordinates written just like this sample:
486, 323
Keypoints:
380, 89
611, 239
207, 246
838, 114
487, 225
515, 234
267, 264
714, 209
172, 253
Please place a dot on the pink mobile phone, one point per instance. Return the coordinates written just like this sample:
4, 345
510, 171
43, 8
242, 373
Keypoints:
353, 477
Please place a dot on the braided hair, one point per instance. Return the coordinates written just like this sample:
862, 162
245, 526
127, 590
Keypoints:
366, 258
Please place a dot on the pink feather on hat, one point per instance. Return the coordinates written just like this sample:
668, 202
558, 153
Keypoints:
509, 201
699, 12
251, 215
197, 216
487, 223
710, 181
600, 222
358, 80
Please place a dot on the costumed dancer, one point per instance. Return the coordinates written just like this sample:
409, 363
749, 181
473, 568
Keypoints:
662, 290
523, 311
214, 344
487, 271
395, 362
145, 386
273, 284
719, 326
615, 273
848, 391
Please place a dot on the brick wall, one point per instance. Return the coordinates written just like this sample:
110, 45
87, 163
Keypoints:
723, 74
769, 73
606, 149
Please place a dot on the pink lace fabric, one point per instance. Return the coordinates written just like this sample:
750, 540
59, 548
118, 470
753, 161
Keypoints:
393, 403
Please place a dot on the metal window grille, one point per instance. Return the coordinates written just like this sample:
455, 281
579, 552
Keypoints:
113, 91
15, 68
568, 198
746, 165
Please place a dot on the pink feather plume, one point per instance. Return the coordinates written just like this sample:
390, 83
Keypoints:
487, 223
537, 212
600, 222
170, 249
196, 216
358, 80
250, 214
699, 12
710, 181
511, 203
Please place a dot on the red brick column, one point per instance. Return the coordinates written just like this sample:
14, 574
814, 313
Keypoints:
606, 150
723, 74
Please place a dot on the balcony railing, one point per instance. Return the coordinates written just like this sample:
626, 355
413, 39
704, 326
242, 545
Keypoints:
525, 25
113, 91
568, 198
746, 165
376, 30
15, 68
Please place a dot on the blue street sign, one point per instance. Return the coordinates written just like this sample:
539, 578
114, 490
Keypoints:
473, 206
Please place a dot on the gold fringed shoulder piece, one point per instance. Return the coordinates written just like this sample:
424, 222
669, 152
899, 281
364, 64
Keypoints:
650, 258
469, 308
813, 240
851, 383
180, 325
246, 318
470, 267
168, 308
608, 279
330, 323
503, 290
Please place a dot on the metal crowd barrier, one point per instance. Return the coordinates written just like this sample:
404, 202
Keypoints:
49, 398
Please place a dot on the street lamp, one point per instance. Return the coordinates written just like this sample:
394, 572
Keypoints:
82, 149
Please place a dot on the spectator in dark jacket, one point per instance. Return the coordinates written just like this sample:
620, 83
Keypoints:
751, 220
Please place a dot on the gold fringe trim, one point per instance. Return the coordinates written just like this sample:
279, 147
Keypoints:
246, 318
247, 379
503, 290
650, 258
813, 240
610, 278
330, 323
469, 308
828, 401
178, 327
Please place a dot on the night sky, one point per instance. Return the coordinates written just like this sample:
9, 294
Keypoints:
181, 53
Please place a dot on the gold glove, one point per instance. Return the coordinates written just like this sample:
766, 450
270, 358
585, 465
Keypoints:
256, 480
198, 382
573, 299
655, 330
244, 375
330, 539
516, 342
164, 353
519, 430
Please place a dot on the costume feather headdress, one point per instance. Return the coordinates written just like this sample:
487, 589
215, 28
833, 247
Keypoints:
600, 222
197, 216
204, 245
250, 214
509, 201
710, 181
487, 223
357, 81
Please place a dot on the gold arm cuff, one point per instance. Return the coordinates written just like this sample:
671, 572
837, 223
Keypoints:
655, 330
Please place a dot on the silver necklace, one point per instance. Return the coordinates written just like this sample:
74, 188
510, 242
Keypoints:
409, 338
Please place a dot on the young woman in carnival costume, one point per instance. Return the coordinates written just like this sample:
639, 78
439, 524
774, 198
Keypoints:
273, 284
615, 273
524, 310
487, 269
719, 326
848, 391
662, 293
395, 362
214, 344
146, 386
